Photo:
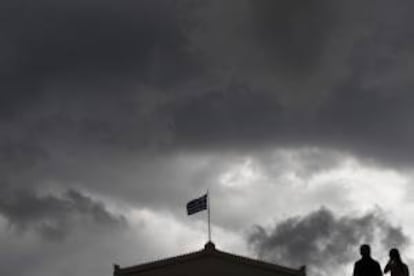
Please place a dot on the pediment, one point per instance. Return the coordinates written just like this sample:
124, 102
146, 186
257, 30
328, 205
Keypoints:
209, 261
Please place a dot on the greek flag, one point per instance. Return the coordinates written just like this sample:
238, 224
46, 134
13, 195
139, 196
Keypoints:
197, 205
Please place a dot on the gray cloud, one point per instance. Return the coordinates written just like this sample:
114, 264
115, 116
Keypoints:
51, 38
92, 86
329, 88
323, 241
54, 217
294, 33
152, 74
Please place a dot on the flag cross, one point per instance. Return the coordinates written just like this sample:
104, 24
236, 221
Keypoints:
197, 205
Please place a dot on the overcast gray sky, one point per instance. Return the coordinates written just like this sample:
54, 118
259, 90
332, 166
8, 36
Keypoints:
297, 115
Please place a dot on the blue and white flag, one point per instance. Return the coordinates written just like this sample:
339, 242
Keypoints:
197, 205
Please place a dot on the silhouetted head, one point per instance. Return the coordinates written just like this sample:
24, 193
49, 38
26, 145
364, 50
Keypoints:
395, 254
365, 250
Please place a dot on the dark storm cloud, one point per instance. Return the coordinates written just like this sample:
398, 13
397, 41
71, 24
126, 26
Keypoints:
54, 217
16, 155
324, 241
87, 49
218, 75
222, 118
294, 33
370, 124
51, 38
25, 204
82, 71
87, 86
333, 75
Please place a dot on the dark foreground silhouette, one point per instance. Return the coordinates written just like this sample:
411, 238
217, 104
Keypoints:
367, 266
395, 265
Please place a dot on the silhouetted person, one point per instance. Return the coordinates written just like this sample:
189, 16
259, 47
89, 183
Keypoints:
395, 265
367, 266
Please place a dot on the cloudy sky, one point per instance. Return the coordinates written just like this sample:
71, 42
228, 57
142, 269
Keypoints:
297, 115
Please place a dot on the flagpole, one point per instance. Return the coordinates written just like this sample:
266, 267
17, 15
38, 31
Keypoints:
208, 217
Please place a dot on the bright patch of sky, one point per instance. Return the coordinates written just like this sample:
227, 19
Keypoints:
249, 193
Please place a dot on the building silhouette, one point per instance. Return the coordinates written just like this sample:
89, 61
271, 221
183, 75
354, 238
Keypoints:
208, 262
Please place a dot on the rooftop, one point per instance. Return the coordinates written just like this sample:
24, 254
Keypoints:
208, 251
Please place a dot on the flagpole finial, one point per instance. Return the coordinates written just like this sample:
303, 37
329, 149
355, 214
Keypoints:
209, 246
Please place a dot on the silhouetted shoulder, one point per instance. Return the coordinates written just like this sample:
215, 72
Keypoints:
406, 270
367, 267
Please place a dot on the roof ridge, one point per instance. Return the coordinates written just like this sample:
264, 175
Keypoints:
260, 262
209, 250
158, 262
